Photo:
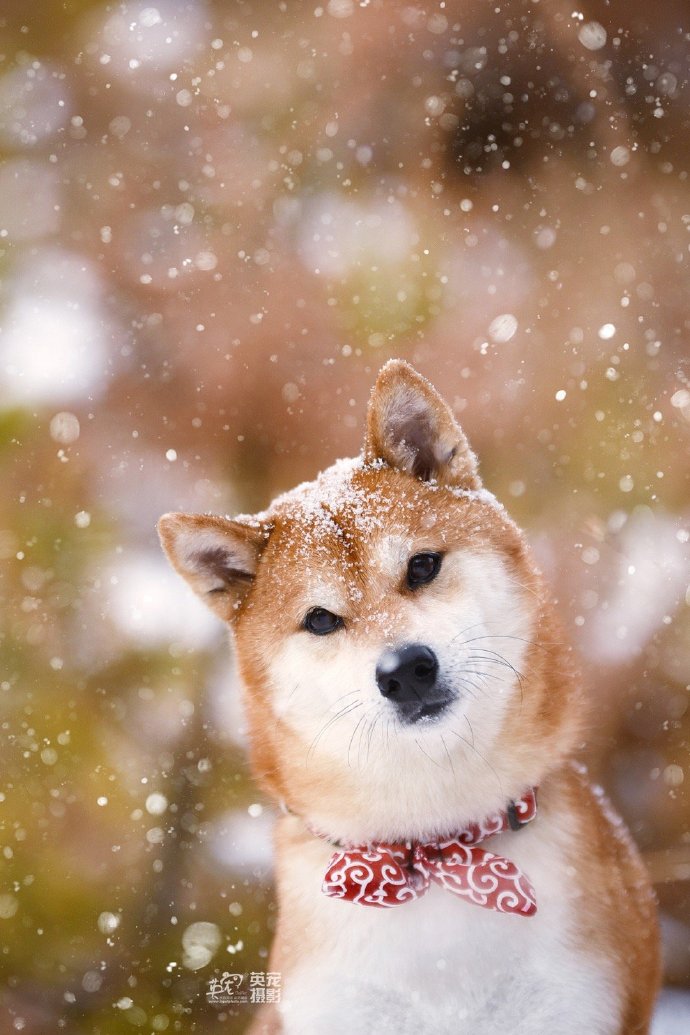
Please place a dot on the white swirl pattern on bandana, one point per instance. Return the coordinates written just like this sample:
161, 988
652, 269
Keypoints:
390, 874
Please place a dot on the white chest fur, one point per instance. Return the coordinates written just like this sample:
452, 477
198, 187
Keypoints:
443, 966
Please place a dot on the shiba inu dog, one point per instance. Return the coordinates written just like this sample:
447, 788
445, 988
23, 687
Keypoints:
442, 864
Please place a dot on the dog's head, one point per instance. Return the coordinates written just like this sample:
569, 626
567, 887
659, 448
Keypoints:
401, 668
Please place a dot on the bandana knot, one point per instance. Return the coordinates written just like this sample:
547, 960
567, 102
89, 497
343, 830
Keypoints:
388, 874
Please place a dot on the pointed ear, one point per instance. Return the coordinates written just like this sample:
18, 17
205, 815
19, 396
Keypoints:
216, 556
411, 427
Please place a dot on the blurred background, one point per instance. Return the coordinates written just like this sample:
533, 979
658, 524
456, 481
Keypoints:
217, 220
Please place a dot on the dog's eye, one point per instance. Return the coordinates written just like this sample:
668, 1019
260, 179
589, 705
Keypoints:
321, 622
422, 568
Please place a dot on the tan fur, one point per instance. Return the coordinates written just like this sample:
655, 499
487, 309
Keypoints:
613, 872
417, 488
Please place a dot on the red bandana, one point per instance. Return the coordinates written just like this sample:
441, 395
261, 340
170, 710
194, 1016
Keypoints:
389, 874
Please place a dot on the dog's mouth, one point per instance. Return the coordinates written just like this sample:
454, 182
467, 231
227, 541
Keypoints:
430, 711
424, 712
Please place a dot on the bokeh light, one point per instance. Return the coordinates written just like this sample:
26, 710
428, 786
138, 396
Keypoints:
217, 220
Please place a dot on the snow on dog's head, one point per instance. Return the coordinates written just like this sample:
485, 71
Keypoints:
402, 671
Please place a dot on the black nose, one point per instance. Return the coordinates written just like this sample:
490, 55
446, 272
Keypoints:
408, 674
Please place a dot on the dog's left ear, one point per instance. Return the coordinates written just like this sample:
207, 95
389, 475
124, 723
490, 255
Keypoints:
412, 428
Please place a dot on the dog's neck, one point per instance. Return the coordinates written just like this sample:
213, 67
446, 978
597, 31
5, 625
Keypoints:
517, 813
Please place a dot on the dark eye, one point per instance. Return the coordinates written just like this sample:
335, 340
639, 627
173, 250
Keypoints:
321, 622
422, 568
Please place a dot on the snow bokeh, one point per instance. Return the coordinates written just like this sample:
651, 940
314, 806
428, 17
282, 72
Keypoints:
216, 223
54, 345
141, 598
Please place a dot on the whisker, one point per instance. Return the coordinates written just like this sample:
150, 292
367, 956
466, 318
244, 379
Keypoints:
360, 742
352, 737
469, 724
506, 636
469, 628
494, 658
295, 687
450, 760
468, 682
343, 696
339, 715
485, 678
466, 689
479, 754
376, 718
428, 755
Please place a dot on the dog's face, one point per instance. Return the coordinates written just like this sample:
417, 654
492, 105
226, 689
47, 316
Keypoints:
392, 634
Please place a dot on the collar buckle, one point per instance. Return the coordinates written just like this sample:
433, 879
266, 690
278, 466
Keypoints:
514, 821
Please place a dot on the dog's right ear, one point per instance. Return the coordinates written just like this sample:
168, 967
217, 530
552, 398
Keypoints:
411, 428
216, 556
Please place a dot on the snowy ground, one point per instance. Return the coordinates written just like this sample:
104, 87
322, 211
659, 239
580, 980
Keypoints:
673, 1013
